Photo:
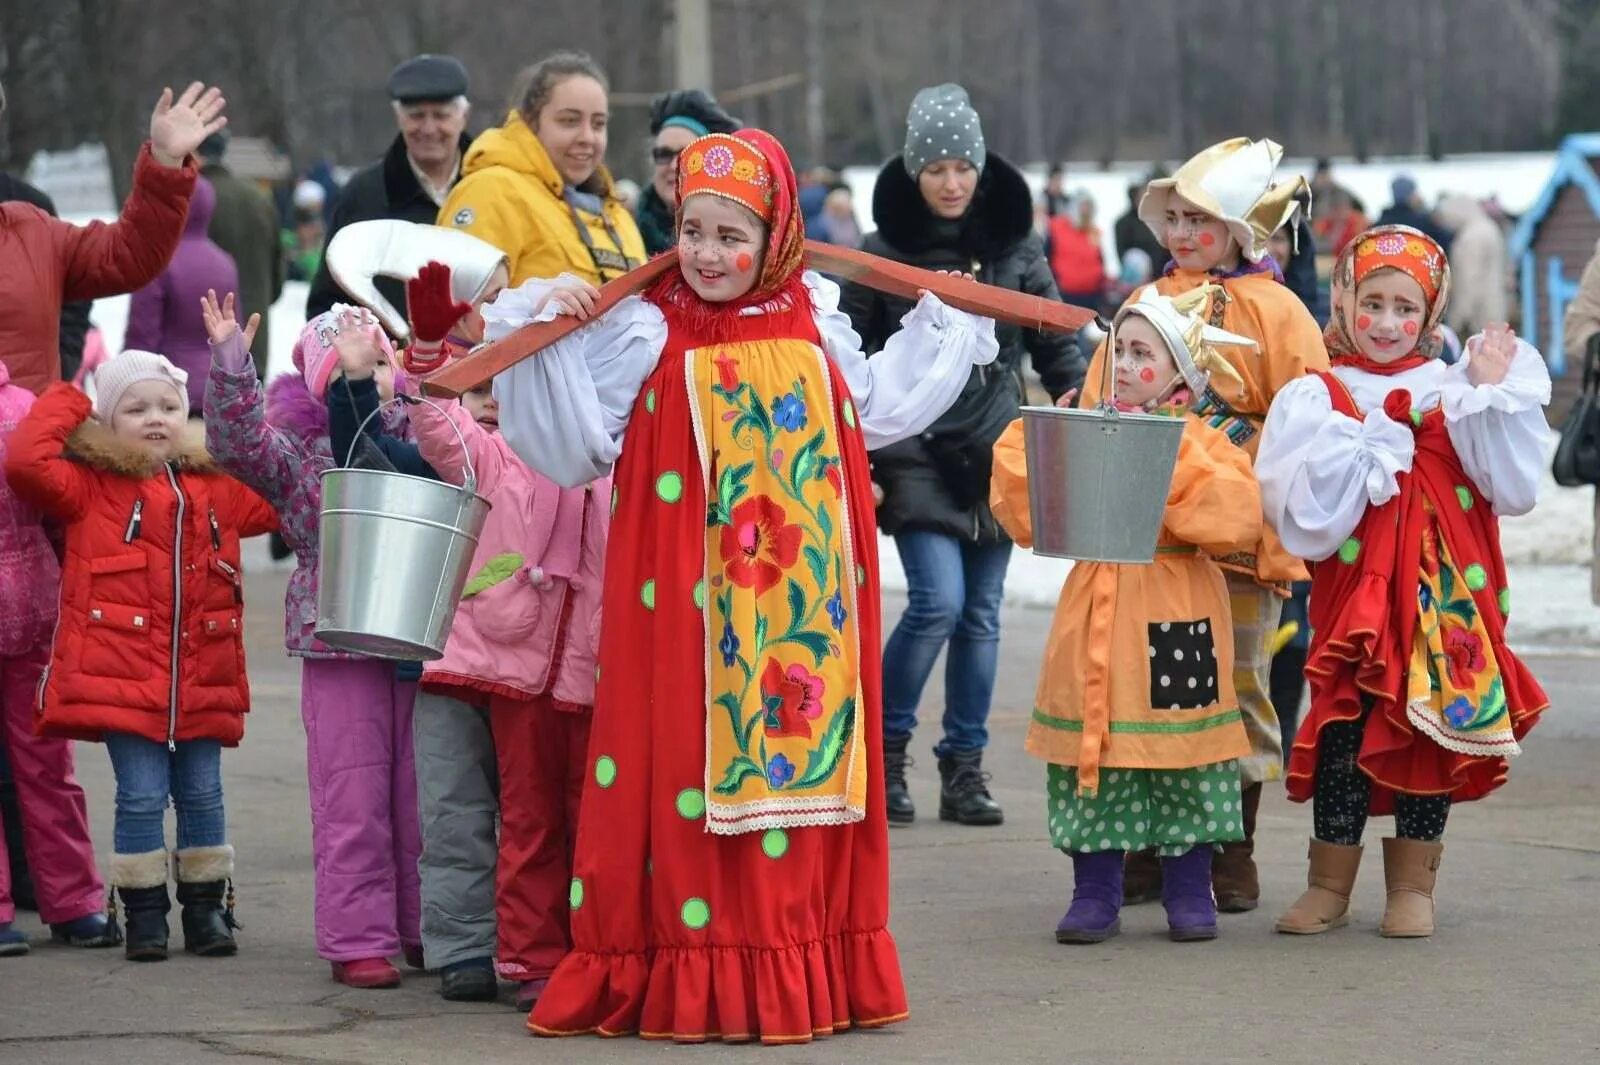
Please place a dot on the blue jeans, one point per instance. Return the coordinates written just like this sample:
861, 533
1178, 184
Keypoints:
954, 589
147, 774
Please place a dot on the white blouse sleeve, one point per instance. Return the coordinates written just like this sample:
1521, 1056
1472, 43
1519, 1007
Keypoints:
1499, 431
902, 389
1319, 470
564, 410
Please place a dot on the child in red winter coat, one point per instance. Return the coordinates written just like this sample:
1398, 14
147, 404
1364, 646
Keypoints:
149, 650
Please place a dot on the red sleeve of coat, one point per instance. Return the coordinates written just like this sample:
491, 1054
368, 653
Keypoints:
36, 468
108, 259
247, 511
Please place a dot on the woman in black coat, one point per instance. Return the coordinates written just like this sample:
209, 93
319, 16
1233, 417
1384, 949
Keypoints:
946, 204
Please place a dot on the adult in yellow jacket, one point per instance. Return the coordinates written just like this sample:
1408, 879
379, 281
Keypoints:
1215, 216
536, 187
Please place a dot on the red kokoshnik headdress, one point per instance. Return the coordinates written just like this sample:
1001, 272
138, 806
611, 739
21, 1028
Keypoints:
752, 169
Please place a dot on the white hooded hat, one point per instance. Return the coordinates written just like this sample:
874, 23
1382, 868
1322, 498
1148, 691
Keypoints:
1181, 321
388, 247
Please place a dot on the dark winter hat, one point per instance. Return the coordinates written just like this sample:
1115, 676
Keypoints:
692, 109
1403, 188
428, 78
942, 125
214, 147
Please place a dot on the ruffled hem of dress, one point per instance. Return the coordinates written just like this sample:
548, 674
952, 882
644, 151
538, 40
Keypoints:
775, 995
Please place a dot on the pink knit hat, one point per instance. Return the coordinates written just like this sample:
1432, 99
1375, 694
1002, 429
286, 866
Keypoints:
115, 376
315, 356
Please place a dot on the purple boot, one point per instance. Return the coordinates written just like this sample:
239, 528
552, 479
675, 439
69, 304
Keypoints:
1096, 899
1186, 895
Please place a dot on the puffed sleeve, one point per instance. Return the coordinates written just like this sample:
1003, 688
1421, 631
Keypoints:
921, 370
564, 410
1319, 469
1213, 501
1499, 431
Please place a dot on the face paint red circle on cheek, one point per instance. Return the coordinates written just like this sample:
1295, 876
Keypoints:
1410, 328
1363, 321
1206, 240
743, 261
1147, 375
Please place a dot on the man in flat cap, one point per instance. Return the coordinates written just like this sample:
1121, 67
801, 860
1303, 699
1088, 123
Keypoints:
416, 173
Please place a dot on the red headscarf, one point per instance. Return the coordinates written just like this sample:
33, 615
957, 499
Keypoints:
1401, 248
779, 290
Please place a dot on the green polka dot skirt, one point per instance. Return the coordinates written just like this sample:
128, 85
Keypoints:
1170, 809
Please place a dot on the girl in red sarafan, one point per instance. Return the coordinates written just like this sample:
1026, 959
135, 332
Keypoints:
1391, 471
731, 878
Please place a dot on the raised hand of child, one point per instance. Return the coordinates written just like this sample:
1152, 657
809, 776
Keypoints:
431, 306
229, 348
1490, 353
1068, 399
355, 344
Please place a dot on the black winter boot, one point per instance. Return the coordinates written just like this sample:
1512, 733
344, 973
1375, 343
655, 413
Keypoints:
141, 883
205, 890
897, 797
964, 790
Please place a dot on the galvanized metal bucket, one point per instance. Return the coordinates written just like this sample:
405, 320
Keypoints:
393, 556
1098, 481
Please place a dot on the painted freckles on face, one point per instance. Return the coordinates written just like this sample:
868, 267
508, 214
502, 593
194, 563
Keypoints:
719, 247
1144, 367
1197, 240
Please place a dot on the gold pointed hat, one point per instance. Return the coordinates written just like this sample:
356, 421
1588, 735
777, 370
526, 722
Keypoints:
1233, 181
1181, 321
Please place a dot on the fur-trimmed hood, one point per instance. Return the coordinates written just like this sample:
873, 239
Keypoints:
1001, 213
94, 444
291, 408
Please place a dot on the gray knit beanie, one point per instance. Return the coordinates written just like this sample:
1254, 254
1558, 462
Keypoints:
942, 125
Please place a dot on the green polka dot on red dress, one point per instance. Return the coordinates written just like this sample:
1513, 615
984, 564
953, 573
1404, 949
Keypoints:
669, 487
1505, 602
699, 594
575, 893
696, 914
775, 843
849, 414
605, 771
1349, 551
691, 804
1477, 577
650, 401
647, 594
1464, 496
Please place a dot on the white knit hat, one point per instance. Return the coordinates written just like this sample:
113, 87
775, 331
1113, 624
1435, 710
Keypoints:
115, 376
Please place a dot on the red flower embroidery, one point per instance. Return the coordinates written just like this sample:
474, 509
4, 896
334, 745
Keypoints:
1465, 652
835, 479
791, 699
727, 372
758, 544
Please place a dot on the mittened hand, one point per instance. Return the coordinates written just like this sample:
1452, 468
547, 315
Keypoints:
431, 306
1397, 405
1490, 353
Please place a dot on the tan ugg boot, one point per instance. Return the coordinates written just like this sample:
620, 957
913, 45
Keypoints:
1410, 867
1325, 903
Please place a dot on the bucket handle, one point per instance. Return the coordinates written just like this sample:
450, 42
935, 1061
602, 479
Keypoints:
470, 484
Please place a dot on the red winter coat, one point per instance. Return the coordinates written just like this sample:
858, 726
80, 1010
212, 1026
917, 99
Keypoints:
150, 640
45, 261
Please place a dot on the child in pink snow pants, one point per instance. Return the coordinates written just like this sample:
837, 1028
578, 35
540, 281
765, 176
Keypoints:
55, 820
365, 832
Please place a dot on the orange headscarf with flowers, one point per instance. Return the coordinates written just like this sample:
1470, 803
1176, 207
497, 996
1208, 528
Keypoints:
1411, 252
750, 168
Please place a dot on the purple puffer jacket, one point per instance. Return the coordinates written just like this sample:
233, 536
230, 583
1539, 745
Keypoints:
30, 579
279, 449
164, 316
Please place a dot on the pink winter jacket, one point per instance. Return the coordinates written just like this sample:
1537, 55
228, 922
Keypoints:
539, 563
30, 578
